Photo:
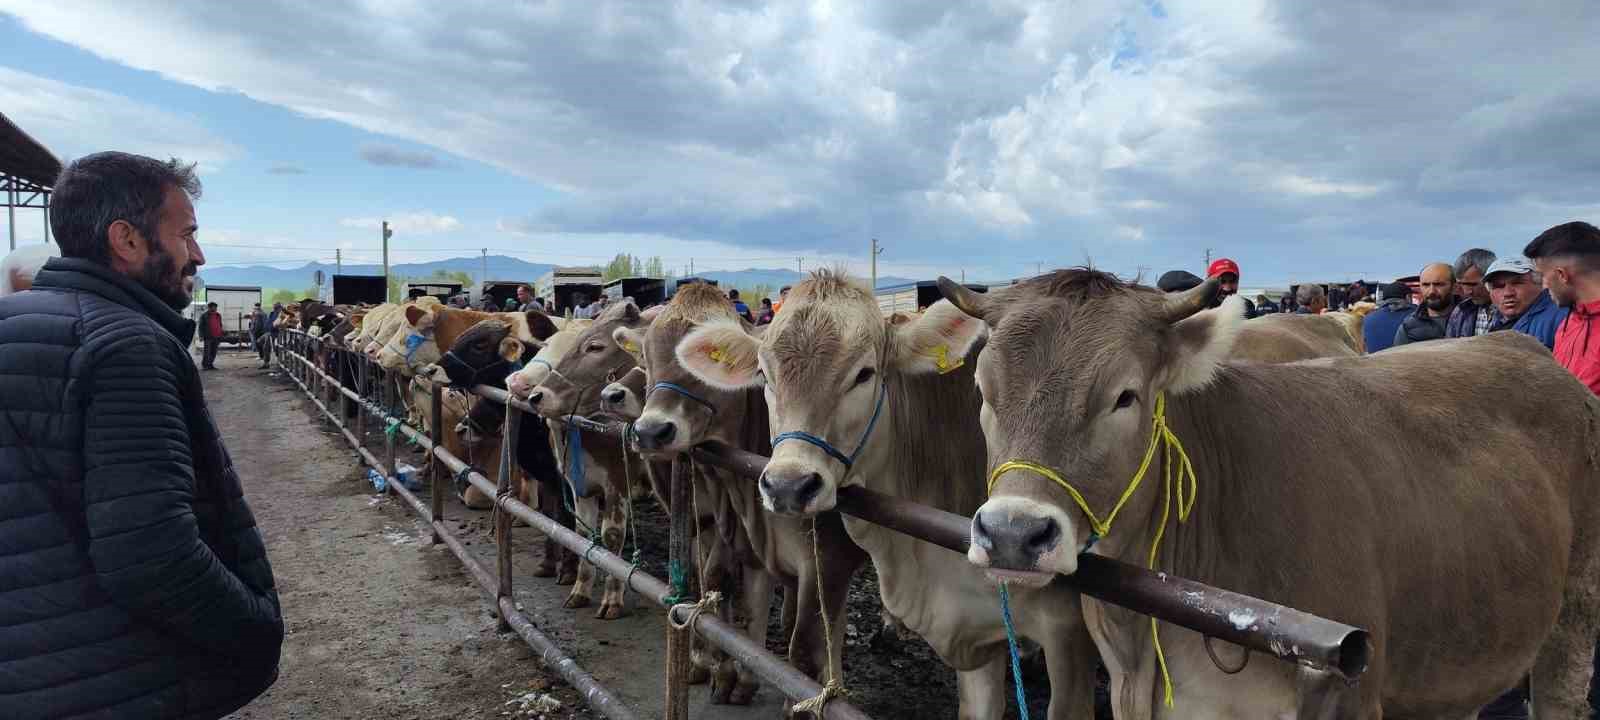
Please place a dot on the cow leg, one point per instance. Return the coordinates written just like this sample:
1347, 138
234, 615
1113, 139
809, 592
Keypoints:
613, 602
982, 691
757, 590
790, 608
1322, 695
1563, 669
549, 503
589, 516
1069, 658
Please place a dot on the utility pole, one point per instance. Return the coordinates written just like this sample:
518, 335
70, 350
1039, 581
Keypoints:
483, 273
876, 251
963, 276
338, 261
1038, 268
691, 267
386, 235
800, 265
1208, 258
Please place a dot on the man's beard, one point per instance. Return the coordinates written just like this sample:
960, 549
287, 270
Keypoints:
159, 277
1437, 303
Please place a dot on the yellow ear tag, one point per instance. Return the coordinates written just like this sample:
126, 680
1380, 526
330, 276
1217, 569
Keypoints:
941, 359
631, 348
719, 355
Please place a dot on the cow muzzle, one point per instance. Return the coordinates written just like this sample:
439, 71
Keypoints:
795, 490
655, 432
1014, 540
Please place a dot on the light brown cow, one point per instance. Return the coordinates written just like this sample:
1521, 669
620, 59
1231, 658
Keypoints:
1471, 561
1284, 337
830, 363
625, 397
573, 388
680, 412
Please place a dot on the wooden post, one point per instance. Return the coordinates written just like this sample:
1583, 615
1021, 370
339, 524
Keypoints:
439, 476
679, 566
502, 518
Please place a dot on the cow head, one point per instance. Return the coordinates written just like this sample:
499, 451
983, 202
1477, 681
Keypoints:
485, 354
1076, 364
824, 363
625, 397
411, 345
596, 359
522, 382
679, 409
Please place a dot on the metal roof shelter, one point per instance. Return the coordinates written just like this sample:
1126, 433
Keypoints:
27, 172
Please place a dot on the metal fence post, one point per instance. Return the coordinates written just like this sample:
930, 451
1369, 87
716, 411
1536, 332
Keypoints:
678, 569
363, 391
388, 436
502, 518
439, 476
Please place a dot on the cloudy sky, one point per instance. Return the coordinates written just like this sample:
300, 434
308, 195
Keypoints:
1306, 140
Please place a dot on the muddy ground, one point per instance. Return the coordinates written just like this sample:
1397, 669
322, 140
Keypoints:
382, 623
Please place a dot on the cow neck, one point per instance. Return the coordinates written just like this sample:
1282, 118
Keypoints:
928, 446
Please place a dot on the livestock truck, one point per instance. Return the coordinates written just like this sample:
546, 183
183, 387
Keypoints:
560, 286
235, 303
360, 290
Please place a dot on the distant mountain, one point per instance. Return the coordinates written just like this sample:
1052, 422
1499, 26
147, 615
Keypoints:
501, 267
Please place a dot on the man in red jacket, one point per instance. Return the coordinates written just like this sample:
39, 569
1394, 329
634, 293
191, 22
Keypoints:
1569, 258
211, 336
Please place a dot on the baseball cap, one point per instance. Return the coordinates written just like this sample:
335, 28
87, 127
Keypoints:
1177, 281
1396, 289
1513, 265
1220, 266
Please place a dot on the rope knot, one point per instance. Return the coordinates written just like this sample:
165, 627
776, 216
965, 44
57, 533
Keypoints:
694, 610
814, 706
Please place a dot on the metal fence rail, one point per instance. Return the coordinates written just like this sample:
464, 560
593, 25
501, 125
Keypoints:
294, 351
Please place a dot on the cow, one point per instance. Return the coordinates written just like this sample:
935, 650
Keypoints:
1285, 337
1471, 562
625, 397
603, 498
890, 405
681, 411
19, 267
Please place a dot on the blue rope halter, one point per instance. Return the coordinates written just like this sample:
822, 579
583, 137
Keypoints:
846, 460
681, 390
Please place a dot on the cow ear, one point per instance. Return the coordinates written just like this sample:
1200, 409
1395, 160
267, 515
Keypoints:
935, 341
539, 325
721, 355
649, 314
413, 314
631, 341
511, 349
1199, 343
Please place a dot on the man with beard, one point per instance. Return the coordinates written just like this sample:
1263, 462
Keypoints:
1438, 283
1227, 273
1475, 313
136, 584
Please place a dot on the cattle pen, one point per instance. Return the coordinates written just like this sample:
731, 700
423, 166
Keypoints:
1283, 632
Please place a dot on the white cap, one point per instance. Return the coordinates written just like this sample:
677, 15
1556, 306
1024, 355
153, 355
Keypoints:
1513, 265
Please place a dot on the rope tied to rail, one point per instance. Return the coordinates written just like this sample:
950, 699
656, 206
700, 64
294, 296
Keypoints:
1173, 483
694, 610
834, 686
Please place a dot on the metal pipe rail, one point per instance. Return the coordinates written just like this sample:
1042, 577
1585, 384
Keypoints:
770, 668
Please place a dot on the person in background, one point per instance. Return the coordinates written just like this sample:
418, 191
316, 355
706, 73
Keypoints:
1286, 303
1310, 299
765, 316
1380, 326
512, 305
210, 336
1177, 281
1227, 273
1525, 306
487, 304
136, 583
783, 294
1356, 294
258, 333
582, 309
1429, 322
739, 307
1474, 314
1568, 256
524, 295
1265, 305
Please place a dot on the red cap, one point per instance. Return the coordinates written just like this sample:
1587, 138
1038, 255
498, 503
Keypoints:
1220, 266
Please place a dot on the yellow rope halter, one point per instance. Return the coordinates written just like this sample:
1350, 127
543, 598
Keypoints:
1160, 433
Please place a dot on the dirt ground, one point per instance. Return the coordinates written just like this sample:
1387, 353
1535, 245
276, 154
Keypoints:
382, 623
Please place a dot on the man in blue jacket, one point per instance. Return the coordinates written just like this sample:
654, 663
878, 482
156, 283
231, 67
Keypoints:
135, 584
1525, 306
1379, 327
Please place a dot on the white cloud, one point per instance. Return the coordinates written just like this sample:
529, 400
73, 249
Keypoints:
72, 121
416, 223
1024, 128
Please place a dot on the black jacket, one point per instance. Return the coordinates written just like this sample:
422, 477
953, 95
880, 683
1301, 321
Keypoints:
133, 582
1419, 326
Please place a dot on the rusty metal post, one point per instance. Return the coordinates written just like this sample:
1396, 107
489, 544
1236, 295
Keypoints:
388, 437
502, 518
679, 565
437, 478
361, 389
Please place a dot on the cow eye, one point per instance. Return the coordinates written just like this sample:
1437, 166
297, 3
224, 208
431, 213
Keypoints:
865, 375
594, 348
1126, 399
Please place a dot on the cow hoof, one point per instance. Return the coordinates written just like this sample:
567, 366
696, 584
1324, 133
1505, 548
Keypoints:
723, 683
610, 610
744, 693
575, 601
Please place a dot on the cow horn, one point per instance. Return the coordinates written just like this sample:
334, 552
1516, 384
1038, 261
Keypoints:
1181, 305
964, 298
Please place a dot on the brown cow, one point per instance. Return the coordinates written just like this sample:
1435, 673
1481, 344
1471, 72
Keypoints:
625, 397
830, 364
1471, 562
680, 412
1284, 337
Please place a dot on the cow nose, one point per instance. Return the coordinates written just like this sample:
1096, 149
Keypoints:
614, 396
655, 434
1014, 542
789, 493
535, 397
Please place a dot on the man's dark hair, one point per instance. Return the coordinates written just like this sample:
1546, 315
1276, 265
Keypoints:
1178, 281
211, 305
1573, 238
733, 294
1475, 258
96, 190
